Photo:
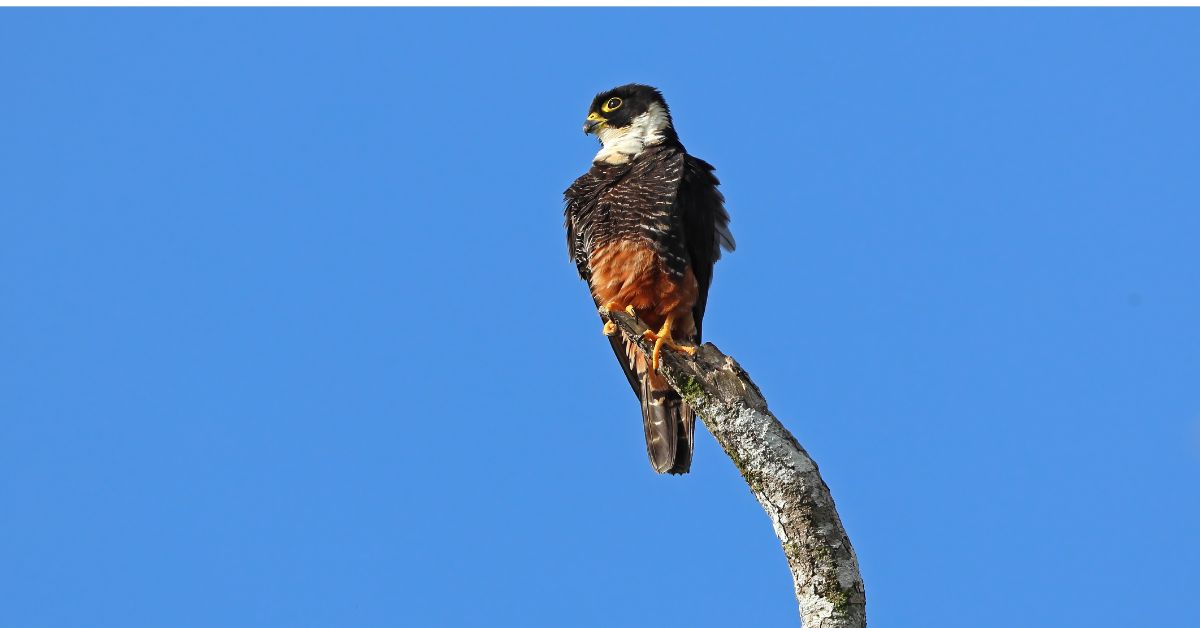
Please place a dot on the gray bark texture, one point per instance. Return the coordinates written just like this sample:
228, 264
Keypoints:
782, 476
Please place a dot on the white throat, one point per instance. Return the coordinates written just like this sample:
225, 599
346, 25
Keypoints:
624, 144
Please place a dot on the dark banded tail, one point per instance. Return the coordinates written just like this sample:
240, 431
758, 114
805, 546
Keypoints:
669, 423
670, 426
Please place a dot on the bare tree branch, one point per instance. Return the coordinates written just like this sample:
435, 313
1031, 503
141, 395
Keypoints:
779, 472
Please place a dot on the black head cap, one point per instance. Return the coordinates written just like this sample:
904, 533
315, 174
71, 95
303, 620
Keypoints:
619, 106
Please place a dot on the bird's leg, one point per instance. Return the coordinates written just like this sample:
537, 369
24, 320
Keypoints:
610, 328
663, 338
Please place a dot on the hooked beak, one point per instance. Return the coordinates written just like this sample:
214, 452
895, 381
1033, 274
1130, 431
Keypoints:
592, 123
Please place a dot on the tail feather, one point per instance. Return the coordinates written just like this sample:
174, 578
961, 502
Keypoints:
670, 426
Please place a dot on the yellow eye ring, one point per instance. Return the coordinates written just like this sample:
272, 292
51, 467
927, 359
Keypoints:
612, 105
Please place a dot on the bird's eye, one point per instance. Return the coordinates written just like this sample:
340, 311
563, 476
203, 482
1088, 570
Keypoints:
613, 103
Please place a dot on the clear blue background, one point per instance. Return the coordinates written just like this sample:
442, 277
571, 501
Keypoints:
288, 334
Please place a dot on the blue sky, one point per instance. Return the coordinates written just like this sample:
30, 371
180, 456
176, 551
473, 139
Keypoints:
289, 336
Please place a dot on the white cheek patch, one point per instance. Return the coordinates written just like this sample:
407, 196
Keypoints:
622, 145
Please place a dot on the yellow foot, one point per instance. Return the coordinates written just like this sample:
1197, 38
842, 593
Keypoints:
613, 306
663, 338
610, 329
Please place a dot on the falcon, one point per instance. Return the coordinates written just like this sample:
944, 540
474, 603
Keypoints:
645, 225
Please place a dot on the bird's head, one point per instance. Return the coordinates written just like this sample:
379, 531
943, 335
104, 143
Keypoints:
628, 118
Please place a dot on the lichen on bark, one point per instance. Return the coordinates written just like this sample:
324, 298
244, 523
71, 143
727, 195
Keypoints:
783, 478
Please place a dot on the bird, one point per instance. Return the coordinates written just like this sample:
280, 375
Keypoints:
645, 225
